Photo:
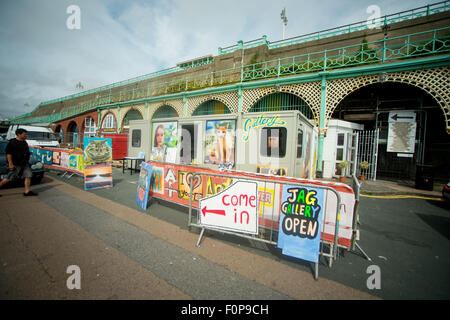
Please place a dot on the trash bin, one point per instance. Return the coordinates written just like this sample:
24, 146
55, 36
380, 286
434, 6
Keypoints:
424, 177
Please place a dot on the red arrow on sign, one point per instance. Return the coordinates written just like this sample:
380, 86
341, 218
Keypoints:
221, 212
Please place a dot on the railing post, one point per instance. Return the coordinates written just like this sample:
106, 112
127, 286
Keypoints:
384, 50
279, 66
325, 61
434, 40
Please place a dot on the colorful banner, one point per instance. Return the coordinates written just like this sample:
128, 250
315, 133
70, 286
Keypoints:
97, 150
144, 185
61, 159
173, 183
300, 222
98, 176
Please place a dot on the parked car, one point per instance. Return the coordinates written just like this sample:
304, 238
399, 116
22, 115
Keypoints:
37, 168
446, 191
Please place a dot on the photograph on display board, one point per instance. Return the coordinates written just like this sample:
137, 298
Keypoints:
164, 141
219, 141
98, 176
97, 150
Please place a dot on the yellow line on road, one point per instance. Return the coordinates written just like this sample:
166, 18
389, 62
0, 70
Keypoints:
401, 197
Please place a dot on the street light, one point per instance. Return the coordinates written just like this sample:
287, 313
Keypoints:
284, 19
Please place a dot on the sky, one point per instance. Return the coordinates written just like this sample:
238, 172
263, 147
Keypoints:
41, 58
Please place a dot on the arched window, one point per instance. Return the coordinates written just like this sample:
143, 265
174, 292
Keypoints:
109, 122
211, 107
282, 101
165, 111
89, 127
131, 115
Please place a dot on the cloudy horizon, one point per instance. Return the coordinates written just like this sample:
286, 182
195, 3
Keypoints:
42, 59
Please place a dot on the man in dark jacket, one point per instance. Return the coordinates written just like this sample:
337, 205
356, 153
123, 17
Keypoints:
18, 157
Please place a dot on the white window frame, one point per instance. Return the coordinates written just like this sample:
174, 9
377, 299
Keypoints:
109, 122
89, 127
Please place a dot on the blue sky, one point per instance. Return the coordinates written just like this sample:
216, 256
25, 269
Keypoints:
41, 59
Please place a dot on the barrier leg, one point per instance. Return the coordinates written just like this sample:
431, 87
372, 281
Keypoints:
362, 251
200, 237
316, 270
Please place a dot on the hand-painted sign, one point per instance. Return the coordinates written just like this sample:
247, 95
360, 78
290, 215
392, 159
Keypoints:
233, 209
97, 150
61, 159
300, 222
98, 176
144, 185
261, 121
171, 182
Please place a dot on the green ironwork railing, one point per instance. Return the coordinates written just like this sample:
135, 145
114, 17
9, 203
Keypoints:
403, 47
358, 26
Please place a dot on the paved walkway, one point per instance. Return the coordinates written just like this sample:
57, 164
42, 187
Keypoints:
394, 188
124, 253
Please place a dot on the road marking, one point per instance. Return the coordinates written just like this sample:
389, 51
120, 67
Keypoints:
402, 197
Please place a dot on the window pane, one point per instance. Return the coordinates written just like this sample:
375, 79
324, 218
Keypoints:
299, 143
136, 138
273, 142
340, 139
339, 154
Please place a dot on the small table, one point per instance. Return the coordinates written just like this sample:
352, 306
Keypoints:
135, 159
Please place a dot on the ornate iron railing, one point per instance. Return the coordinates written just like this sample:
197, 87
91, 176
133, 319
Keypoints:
404, 47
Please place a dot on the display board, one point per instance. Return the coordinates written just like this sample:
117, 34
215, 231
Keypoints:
144, 185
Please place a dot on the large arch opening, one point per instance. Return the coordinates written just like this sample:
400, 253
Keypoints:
132, 114
281, 101
383, 106
73, 138
165, 111
211, 107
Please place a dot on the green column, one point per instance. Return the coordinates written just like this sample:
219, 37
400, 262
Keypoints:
240, 100
184, 106
146, 110
323, 98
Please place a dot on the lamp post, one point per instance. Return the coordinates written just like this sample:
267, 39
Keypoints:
284, 19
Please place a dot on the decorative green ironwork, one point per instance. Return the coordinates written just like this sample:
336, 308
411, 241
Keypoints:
408, 46
420, 44
282, 101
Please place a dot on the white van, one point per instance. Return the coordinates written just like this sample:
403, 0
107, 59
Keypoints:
37, 136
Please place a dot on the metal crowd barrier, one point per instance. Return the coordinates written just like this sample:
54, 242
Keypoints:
268, 228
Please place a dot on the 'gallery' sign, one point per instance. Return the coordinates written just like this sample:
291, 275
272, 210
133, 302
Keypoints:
261, 121
300, 222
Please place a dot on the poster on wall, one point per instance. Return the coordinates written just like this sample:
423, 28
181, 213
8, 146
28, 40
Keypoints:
97, 150
165, 140
98, 176
219, 141
144, 185
301, 222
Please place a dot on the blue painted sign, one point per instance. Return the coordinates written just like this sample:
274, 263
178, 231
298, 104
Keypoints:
144, 185
301, 222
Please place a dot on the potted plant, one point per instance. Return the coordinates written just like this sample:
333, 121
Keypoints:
342, 165
364, 165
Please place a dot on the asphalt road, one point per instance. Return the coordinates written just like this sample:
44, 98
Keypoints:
124, 253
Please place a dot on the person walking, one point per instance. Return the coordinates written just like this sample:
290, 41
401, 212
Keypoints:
18, 157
